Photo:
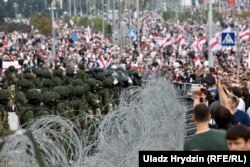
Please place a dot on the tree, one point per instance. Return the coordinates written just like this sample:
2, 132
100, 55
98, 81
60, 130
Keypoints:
1, 11
42, 22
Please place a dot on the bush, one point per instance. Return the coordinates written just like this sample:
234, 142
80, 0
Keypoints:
10, 27
197, 16
243, 15
42, 22
66, 18
168, 15
95, 23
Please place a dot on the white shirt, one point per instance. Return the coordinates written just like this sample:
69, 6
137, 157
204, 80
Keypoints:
241, 105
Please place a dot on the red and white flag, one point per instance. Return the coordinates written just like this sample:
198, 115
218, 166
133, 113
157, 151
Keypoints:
203, 40
244, 34
104, 63
166, 41
214, 45
88, 34
196, 46
197, 61
180, 40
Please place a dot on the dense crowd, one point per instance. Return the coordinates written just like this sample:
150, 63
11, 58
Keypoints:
89, 71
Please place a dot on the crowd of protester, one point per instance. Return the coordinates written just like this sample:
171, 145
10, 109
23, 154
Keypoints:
174, 50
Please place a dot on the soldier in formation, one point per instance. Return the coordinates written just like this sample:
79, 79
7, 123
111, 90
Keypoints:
70, 93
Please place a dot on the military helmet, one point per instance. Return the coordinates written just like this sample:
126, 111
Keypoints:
4, 94
99, 76
37, 71
25, 84
33, 94
46, 73
108, 82
46, 83
79, 91
92, 82
86, 88
70, 72
81, 66
70, 89
77, 82
27, 70
28, 76
21, 98
57, 81
12, 69
64, 91
58, 73
49, 96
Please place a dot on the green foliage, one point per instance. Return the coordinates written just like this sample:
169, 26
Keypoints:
168, 15
66, 18
95, 23
1, 13
243, 15
200, 17
11, 27
42, 22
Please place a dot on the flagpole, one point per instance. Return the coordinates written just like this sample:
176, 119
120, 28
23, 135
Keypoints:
138, 26
210, 18
52, 59
237, 51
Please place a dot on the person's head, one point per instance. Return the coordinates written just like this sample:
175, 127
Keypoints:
222, 117
236, 91
238, 138
205, 94
233, 102
245, 92
201, 113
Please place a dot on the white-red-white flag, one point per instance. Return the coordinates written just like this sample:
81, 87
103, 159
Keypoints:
244, 34
166, 41
214, 45
88, 34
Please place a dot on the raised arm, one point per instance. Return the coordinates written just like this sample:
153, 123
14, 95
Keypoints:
222, 94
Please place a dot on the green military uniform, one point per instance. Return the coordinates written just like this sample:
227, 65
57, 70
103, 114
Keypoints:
94, 98
50, 101
38, 77
108, 95
11, 75
47, 85
30, 110
4, 100
64, 107
57, 81
58, 73
70, 73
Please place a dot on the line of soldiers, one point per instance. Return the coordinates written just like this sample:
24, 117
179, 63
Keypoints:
69, 93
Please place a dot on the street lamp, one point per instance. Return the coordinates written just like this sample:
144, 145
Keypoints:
5, 4
103, 16
15, 5
210, 19
138, 26
53, 55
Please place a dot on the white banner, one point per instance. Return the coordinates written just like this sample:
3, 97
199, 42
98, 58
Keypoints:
6, 64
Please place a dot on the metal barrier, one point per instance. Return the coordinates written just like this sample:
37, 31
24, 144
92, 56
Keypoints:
185, 89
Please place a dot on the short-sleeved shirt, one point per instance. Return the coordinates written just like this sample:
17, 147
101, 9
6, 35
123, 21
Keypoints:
242, 118
212, 140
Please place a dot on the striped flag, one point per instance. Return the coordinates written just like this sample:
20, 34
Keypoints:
88, 34
244, 34
214, 45
166, 41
